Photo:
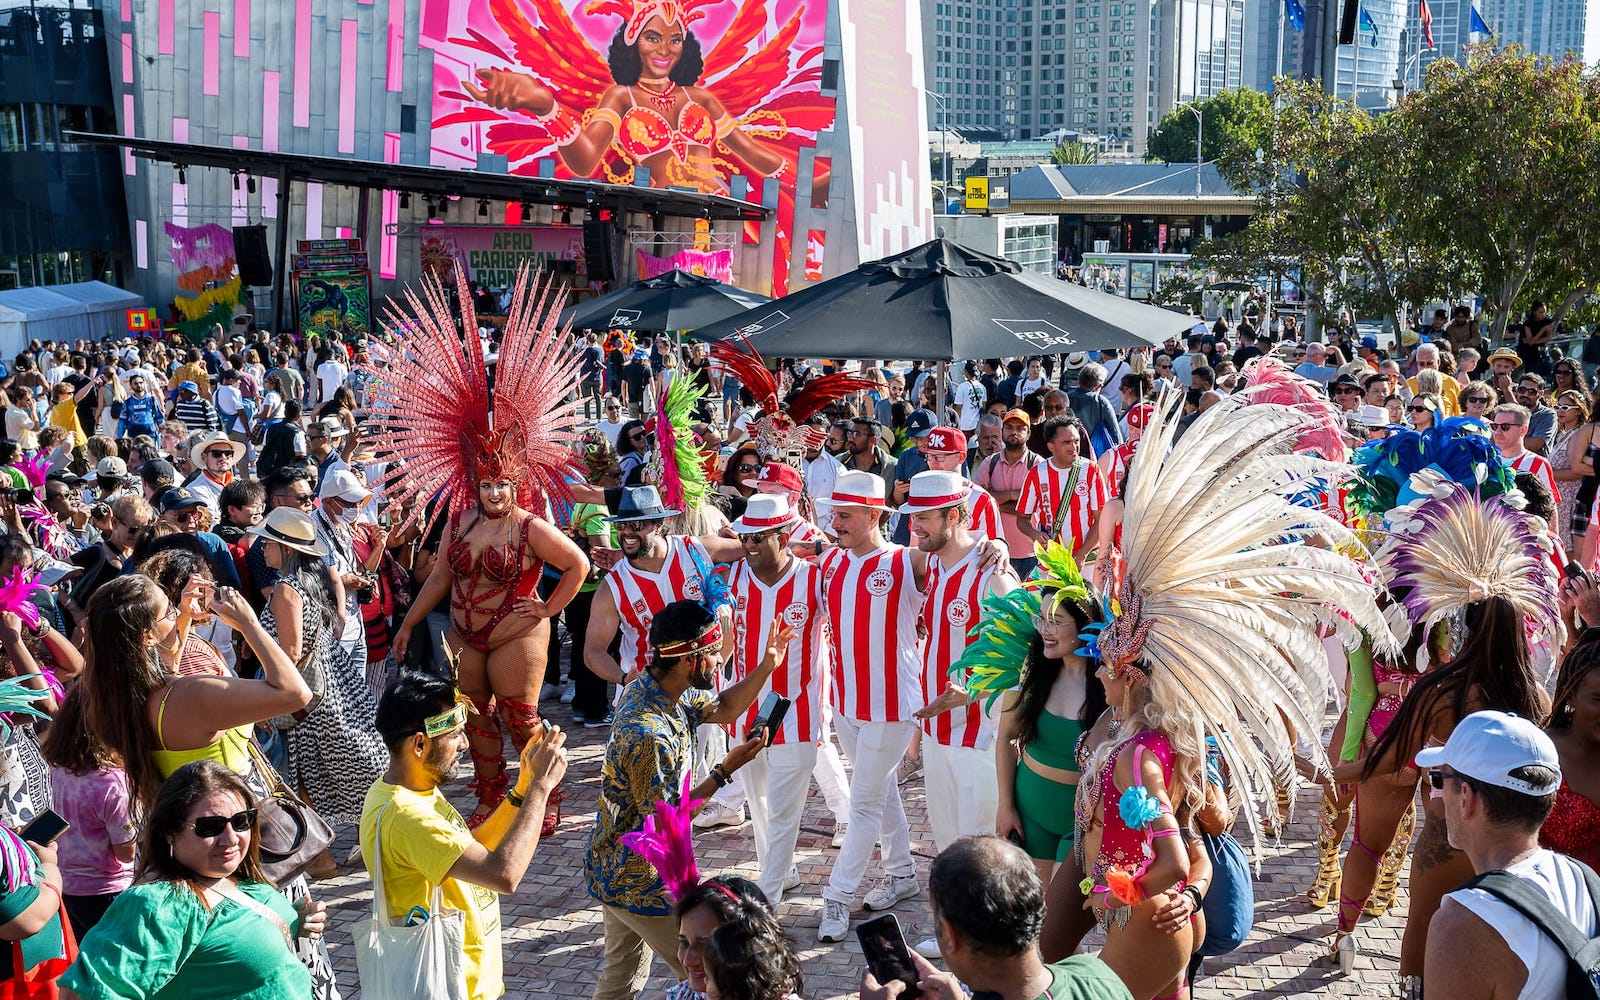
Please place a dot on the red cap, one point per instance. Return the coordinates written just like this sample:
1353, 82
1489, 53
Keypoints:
945, 441
776, 477
1139, 416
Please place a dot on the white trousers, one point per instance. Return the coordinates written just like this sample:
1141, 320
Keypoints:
776, 783
963, 792
875, 750
831, 779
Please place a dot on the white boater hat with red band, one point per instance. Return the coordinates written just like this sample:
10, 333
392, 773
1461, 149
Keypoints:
934, 491
854, 488
765, 512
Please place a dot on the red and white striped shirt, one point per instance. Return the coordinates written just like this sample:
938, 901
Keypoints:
797, 599
984, 519
952, 605
1117, 466
1042, 493
1536, 464
639, 595
872, 609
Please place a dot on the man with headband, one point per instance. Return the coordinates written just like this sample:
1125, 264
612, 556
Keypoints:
647, 761
417, 839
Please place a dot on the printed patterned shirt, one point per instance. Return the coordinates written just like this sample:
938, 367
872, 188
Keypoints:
650, 750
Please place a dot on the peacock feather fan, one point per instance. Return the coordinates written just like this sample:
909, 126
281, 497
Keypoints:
667, 842
992, 663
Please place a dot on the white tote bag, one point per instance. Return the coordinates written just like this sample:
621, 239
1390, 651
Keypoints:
397, 962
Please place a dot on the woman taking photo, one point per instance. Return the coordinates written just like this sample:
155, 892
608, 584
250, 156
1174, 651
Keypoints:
202, 917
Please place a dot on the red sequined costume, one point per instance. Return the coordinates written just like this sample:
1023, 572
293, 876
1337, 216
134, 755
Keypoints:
1573, 827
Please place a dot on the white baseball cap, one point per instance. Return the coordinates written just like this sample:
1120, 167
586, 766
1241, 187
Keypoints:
1488, 746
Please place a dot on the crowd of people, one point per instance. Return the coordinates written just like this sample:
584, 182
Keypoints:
260, 579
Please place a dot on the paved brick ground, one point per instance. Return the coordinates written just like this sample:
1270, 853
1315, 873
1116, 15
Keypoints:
553, 935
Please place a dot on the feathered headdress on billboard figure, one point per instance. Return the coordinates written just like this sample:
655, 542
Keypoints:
451, 422
780, 432
1222, 597
635, 13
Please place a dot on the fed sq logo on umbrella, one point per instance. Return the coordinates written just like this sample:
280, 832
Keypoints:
1038, 333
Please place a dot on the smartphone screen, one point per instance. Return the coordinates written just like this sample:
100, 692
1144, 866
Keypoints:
884, 947
44, 828
763, 713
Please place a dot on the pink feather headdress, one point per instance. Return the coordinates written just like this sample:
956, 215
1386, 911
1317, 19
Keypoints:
1267, 380
450, 423
667, 842
34, 469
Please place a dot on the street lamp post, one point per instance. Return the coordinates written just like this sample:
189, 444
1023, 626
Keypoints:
944, 152
1199, 127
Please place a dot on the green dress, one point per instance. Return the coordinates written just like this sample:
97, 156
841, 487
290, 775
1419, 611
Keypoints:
159, 940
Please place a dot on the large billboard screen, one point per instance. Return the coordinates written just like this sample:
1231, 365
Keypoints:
691, 93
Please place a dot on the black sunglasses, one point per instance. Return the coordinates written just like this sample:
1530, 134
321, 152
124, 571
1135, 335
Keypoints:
1420, 409
1436, 779
206, 827
220, 454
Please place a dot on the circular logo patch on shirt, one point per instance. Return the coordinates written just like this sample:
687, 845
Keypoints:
691, 589
959, 613
1083, 488
796, 615
879, 582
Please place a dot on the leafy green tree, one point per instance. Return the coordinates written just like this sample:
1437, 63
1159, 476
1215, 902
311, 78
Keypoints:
1499, 160
1235, 121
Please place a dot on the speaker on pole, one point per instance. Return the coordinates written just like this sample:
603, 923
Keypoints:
250, 250
598, 236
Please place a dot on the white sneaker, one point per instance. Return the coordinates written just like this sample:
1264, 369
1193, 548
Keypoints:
835, 921
716, 814
566, 693
791, 881
838, 833
929, 949
548, 691
892, 890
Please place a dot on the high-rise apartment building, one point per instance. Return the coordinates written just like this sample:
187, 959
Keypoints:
1019, 69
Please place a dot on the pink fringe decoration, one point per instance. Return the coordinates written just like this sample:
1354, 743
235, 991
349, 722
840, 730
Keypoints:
35, 469
667, 842
14, 594
1266, 380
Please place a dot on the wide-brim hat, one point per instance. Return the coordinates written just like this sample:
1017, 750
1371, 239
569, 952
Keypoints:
293, 528
1504, 354
198, 452
641, 503
935, 491
854, 488
765, 512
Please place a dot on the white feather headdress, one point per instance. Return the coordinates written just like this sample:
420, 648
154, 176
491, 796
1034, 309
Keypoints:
1221, 596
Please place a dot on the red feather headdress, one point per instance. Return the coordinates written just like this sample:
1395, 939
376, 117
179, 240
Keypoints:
781, 427
450, 422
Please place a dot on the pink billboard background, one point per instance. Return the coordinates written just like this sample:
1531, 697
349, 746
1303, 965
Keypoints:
530, 80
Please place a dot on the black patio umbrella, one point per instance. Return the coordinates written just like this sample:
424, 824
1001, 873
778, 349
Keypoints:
676, 300
946, 302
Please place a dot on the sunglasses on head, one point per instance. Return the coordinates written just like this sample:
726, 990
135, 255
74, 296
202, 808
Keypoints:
206, 827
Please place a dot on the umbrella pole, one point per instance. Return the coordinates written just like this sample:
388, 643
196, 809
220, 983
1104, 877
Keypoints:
941, 392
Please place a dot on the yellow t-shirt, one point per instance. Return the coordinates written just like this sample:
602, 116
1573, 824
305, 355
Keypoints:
423, 835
